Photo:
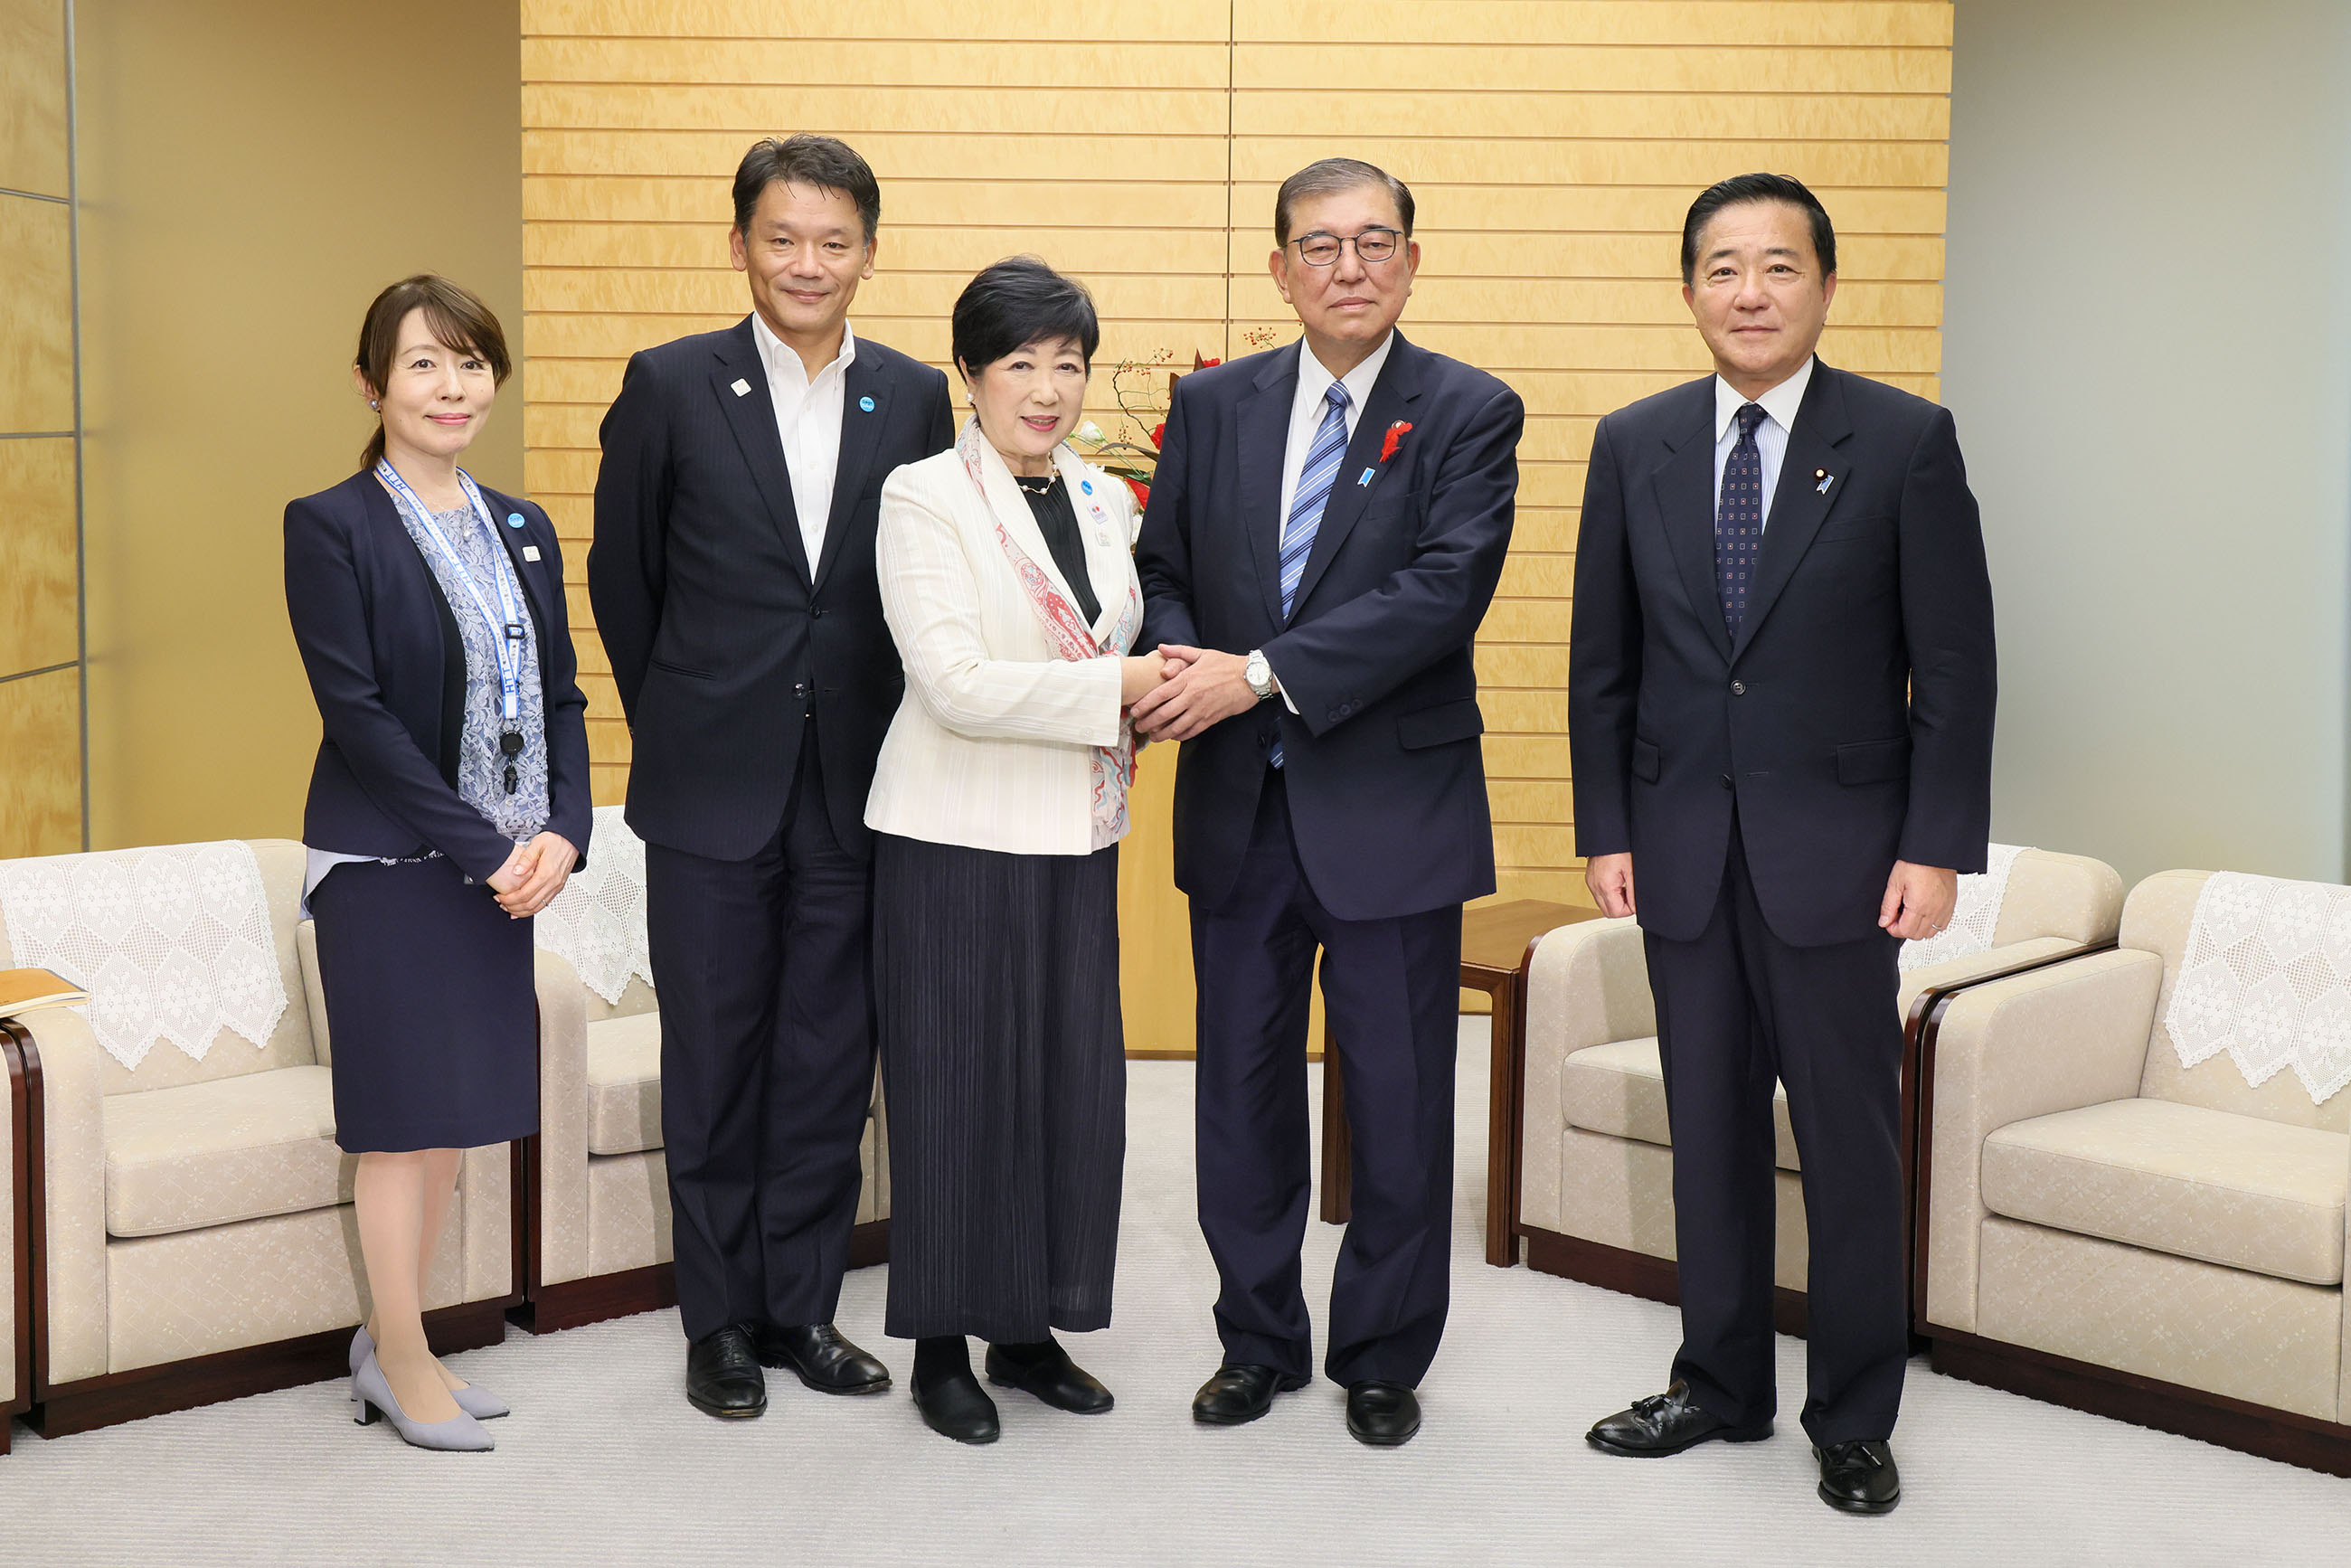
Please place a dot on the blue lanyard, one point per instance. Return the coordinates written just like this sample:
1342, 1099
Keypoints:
505, 627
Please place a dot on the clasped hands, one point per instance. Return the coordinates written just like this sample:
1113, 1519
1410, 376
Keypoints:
1917, 904
1180, 691
533, 875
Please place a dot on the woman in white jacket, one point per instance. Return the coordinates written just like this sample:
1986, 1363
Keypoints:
1009, 580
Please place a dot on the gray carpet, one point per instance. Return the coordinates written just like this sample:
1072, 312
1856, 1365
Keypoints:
604, 1462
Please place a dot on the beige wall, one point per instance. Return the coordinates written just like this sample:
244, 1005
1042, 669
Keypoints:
251, 172
40, 704
2150, 362
1552, 147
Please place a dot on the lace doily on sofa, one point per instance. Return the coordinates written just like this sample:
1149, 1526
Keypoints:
1974, 918
597, 924
2267, 978
172, 943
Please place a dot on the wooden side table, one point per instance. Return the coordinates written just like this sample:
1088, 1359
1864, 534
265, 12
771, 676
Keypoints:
1497, 941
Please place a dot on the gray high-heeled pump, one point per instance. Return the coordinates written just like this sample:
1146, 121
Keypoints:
460, 1434
474, 1400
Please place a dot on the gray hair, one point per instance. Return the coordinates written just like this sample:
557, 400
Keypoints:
1328, 177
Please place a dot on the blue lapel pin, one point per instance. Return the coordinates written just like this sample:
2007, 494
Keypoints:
866, 403
1366, 480
1823, 475
514, 519
1087, 486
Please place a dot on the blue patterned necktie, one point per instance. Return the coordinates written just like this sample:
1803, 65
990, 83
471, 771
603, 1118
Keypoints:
1314, 482
1738, 520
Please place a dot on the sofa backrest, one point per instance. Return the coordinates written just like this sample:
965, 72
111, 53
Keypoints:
2053, 895
2156, 919
231, 1055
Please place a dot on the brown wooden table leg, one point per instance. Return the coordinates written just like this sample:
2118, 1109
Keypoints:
1338, 1144
1505, 1126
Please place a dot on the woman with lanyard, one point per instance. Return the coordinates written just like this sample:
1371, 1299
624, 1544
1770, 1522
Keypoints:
448, 804
1008, 582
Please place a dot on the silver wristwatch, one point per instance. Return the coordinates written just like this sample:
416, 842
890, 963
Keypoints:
1259, 675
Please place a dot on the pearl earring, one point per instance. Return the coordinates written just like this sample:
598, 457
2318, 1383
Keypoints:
371, 402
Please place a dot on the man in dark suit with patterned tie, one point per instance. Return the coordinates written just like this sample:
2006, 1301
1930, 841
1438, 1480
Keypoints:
733, 583
1781, 710
1326, 527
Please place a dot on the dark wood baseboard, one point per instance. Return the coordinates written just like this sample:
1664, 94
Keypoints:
1638, 1274
2303, 1440
575, 1303
121, 1396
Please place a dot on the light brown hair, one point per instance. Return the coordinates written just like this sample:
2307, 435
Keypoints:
457, 317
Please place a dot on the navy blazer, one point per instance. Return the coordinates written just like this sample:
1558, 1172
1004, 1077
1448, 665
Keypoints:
723, 635
1382, 761
379, 641
1851, 722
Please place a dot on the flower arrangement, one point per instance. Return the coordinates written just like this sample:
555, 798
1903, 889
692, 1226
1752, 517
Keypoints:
1132, 454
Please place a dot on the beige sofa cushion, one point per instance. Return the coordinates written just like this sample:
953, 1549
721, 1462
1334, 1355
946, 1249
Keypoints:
232, 1149
2182, 1179
624, 1084
1620, 1088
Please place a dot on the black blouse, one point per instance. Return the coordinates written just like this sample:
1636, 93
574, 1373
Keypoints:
1057, 520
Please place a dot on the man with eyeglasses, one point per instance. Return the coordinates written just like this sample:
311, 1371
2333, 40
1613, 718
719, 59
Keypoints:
1325, 530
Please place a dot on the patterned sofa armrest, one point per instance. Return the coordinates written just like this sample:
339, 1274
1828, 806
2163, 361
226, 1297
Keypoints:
70, 1184
1587, 985
2053, 895
2055, 1039
563, 1116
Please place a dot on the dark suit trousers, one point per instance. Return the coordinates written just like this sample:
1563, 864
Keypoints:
764, 969
1391, 991
1737, 1008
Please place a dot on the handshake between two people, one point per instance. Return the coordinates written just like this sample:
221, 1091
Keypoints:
1177, 692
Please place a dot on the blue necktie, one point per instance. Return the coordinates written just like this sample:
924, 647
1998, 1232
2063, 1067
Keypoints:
1738, 520
1314, 482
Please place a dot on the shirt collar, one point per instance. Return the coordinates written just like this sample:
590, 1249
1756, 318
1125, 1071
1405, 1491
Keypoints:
782, 359
1779, 404
1315, 380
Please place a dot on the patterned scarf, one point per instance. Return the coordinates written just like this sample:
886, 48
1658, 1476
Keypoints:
1073, 638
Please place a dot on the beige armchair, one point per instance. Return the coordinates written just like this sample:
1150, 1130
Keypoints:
1596, 1188
2105, 1228
197, 1236
601, 1244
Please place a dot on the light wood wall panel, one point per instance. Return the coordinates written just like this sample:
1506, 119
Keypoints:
32, 96
38, 620
41, 764
1552, 149
1553, 146
37, 373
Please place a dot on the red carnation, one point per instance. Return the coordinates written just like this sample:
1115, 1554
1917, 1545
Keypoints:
1141, 491
1395, 439
1158, 436
1201, 364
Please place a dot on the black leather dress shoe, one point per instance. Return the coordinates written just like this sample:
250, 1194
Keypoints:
825, 1361
1239, 1394
956, 1406
1385, 1414
1859, 1476
1056, 1379
723, 1376
1666, 1424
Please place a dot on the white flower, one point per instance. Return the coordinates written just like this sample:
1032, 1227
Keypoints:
1092, 434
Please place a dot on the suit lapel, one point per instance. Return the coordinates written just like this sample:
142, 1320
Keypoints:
1261, 442
751, 413
1106, 559
860, 438
1361, 470
1800, 501
1684, 484
514, 540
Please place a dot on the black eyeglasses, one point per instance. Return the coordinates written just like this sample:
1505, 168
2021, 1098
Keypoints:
1372, 246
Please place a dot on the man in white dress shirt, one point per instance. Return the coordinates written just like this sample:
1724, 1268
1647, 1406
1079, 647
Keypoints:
734, 583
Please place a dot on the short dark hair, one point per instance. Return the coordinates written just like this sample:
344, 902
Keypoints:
1018, 301
457, 317
1329, 176
804, 160
1742, 188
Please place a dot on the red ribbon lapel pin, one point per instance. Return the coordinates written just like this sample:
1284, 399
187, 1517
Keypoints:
1394, 439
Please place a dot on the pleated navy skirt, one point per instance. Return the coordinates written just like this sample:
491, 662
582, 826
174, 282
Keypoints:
430, 1012
1004, 1069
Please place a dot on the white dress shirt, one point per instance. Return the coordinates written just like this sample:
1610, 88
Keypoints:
807, 421
1780, 406
1306, 412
